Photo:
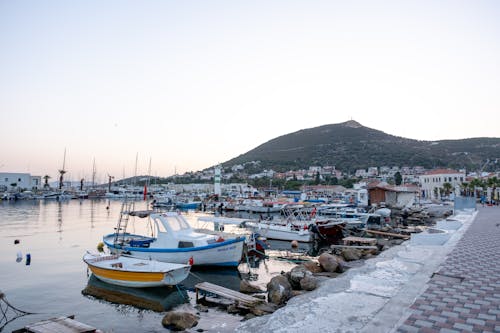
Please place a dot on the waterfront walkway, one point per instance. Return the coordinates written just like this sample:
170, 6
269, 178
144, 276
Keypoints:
464, 294
454, 287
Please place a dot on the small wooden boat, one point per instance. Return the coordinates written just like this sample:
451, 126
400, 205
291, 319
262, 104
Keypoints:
127, 271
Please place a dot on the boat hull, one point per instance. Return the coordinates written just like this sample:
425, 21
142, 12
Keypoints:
273, 231
147, 276
227, 253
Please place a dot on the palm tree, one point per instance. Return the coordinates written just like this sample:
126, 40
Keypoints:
447, 187
61, 174
493, 182
464, 189
46, 179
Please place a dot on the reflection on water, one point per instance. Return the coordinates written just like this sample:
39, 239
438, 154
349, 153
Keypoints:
57, 234
162, 298
227, 277
157, 299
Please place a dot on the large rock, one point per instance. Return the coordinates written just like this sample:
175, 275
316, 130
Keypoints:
309, 283
328, 262
312, 267
248, 288
296, 274
179, 321
263, 309
350, 254
279, 290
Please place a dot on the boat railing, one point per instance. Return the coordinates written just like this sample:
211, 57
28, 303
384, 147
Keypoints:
104, 258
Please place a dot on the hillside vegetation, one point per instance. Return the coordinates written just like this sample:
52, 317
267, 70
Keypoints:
349, 146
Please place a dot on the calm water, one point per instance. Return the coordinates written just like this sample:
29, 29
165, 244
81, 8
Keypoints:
56, 282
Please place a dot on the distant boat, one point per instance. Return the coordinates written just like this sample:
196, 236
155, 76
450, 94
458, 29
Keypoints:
134, 272
57, 195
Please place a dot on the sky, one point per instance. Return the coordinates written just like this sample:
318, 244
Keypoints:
181, 86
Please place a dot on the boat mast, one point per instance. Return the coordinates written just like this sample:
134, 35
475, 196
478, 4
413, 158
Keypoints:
93, 173
135, 172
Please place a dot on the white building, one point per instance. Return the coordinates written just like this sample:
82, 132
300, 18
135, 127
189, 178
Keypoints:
432, 181
360, 173
24, 181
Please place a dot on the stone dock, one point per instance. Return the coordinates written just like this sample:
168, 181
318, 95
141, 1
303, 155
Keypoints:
454, 287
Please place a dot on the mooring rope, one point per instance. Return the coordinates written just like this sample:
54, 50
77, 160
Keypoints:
5, 306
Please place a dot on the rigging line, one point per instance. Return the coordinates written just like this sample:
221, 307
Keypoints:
196, 276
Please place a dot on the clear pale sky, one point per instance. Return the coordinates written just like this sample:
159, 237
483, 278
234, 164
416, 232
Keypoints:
189, 84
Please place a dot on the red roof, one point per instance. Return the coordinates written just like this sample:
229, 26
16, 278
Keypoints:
441, 172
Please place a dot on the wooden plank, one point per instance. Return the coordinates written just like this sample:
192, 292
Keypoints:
59, 325
359, 247
227, 293
390, 234
362, 240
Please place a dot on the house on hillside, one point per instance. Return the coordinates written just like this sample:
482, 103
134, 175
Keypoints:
323, 192
432, 182
395, 196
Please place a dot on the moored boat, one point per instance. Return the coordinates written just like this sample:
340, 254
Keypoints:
175, 241
134, 272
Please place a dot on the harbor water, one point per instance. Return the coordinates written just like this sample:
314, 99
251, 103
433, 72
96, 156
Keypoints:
42, 272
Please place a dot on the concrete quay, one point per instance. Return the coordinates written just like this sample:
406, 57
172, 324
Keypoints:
454, 287
464, 294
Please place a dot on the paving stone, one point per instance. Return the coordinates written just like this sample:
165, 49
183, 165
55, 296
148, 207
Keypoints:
473, 303
473, 321
486, 316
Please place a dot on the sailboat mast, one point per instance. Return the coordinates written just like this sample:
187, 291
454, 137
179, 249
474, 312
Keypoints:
135, 172
93, 173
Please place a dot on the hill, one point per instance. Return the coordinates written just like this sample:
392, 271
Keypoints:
349, 146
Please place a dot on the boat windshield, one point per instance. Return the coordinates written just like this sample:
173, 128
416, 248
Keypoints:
178, 224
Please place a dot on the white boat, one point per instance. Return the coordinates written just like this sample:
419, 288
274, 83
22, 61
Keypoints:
257, 205
58, 195
133, 272
281, 230
175, 241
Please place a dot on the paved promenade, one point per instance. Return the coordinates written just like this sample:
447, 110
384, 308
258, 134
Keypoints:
453, 287
464, 294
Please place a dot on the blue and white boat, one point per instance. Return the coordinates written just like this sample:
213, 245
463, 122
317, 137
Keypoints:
175, 241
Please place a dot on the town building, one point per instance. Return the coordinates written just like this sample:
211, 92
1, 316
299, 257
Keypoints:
432, 182
23, 181
394, 196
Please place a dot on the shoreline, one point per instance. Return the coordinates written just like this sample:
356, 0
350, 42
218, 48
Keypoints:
374, 297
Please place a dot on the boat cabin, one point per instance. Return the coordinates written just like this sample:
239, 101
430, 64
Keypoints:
173, 231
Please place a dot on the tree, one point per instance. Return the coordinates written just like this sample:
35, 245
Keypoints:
317, 180
398, 179
46, 179
447, 187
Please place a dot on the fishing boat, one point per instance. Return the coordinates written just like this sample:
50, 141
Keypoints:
281, 230
134, 272
173, 240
